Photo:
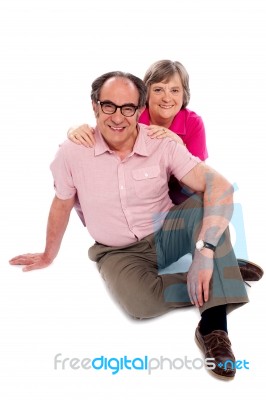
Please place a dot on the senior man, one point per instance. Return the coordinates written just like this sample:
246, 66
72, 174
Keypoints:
122, 187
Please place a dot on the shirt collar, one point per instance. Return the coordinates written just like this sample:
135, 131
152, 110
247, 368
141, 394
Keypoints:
100, 146
140, 146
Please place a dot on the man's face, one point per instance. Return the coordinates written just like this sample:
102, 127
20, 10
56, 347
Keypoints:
118, 130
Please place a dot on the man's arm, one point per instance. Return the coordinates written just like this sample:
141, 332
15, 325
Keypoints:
57, 223
217, 200
218, 209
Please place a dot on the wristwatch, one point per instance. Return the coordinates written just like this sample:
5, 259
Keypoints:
201, 244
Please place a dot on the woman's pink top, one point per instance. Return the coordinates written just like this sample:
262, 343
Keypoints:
189, 126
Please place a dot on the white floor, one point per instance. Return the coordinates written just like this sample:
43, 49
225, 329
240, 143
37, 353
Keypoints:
51, 53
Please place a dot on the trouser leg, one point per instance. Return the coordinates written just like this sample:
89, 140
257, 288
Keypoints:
180, 231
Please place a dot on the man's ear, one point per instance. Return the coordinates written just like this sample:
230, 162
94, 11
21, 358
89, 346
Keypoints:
95, 108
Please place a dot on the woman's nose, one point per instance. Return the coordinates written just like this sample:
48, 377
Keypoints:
166, 95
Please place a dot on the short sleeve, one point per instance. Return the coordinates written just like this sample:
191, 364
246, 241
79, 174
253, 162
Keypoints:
61, 171
181, 160
196, 137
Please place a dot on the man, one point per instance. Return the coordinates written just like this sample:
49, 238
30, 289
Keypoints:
122, 187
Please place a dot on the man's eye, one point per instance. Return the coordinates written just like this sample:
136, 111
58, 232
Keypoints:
108, 106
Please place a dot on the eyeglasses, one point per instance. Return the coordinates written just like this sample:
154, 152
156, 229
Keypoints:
128, 110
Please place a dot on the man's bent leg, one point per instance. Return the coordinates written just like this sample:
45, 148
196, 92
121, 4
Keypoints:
180, 231
131, 275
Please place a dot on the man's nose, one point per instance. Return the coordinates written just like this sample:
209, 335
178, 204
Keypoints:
117, 116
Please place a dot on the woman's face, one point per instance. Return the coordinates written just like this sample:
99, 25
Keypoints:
165, 100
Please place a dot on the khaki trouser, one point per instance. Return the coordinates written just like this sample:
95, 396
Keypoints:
132, 272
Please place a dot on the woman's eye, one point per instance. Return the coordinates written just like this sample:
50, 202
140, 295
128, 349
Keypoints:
158, 90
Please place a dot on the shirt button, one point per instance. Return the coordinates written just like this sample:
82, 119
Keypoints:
146, 174
122, 187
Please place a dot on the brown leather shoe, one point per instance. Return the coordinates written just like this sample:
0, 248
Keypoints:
216, 345
249, 270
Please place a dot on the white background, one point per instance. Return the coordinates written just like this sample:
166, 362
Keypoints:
51, 50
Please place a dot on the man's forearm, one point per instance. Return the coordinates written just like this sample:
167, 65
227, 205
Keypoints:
57, 223
218, 208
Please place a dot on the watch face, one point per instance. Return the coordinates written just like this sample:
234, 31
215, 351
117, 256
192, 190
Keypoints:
199, 245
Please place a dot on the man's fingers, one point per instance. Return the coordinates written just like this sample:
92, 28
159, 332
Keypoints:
206, 290
30, 261
193, 294
21, 259
33, 266
199, 295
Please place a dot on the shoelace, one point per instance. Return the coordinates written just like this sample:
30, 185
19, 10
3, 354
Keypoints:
217, 340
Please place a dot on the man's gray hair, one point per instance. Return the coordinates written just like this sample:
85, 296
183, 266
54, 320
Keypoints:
98, 83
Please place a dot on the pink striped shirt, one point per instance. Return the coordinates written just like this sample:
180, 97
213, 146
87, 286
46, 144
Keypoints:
122, 200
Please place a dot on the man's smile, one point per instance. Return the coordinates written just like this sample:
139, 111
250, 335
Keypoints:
117, 129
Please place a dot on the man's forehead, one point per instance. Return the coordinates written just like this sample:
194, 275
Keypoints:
117, 81
119, 86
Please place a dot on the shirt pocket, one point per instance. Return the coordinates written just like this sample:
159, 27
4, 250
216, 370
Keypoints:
147, 182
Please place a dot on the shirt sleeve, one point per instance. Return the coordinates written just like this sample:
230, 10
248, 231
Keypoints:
61, 171
182, 161
196, 137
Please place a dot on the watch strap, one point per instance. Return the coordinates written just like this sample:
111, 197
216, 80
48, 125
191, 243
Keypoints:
209, 246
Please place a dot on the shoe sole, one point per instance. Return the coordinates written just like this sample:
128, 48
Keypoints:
211, 371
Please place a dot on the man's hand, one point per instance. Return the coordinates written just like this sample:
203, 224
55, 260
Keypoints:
31, 261
199, 276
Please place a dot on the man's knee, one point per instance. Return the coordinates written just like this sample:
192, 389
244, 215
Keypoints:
142, 301
150, 309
